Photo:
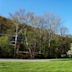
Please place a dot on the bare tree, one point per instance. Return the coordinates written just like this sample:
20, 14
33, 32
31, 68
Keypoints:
52, 25
17, 19
63, 31
20, 17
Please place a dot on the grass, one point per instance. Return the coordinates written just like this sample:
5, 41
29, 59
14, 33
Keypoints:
50, 66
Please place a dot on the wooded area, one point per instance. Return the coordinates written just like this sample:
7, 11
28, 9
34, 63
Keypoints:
26, 35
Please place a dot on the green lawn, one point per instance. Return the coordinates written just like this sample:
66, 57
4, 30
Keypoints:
50, 66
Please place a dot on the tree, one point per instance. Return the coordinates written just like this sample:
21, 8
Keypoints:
20, 17
5, 49
41, 33
16, 20
64, 31
52, 25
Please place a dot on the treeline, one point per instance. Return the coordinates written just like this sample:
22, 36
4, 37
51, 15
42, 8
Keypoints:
39, 36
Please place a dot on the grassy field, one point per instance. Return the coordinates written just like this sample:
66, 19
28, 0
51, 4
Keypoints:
50, 66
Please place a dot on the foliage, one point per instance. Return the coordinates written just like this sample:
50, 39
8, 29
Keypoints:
5, 49
40, 35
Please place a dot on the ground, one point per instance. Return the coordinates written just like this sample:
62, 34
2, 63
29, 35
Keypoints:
35, 66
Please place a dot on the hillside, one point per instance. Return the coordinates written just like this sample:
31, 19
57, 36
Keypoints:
5, 21
35, 40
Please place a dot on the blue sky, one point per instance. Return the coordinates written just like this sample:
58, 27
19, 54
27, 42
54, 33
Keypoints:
62, 8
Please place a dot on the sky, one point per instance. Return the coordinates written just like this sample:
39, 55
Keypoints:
61, 8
